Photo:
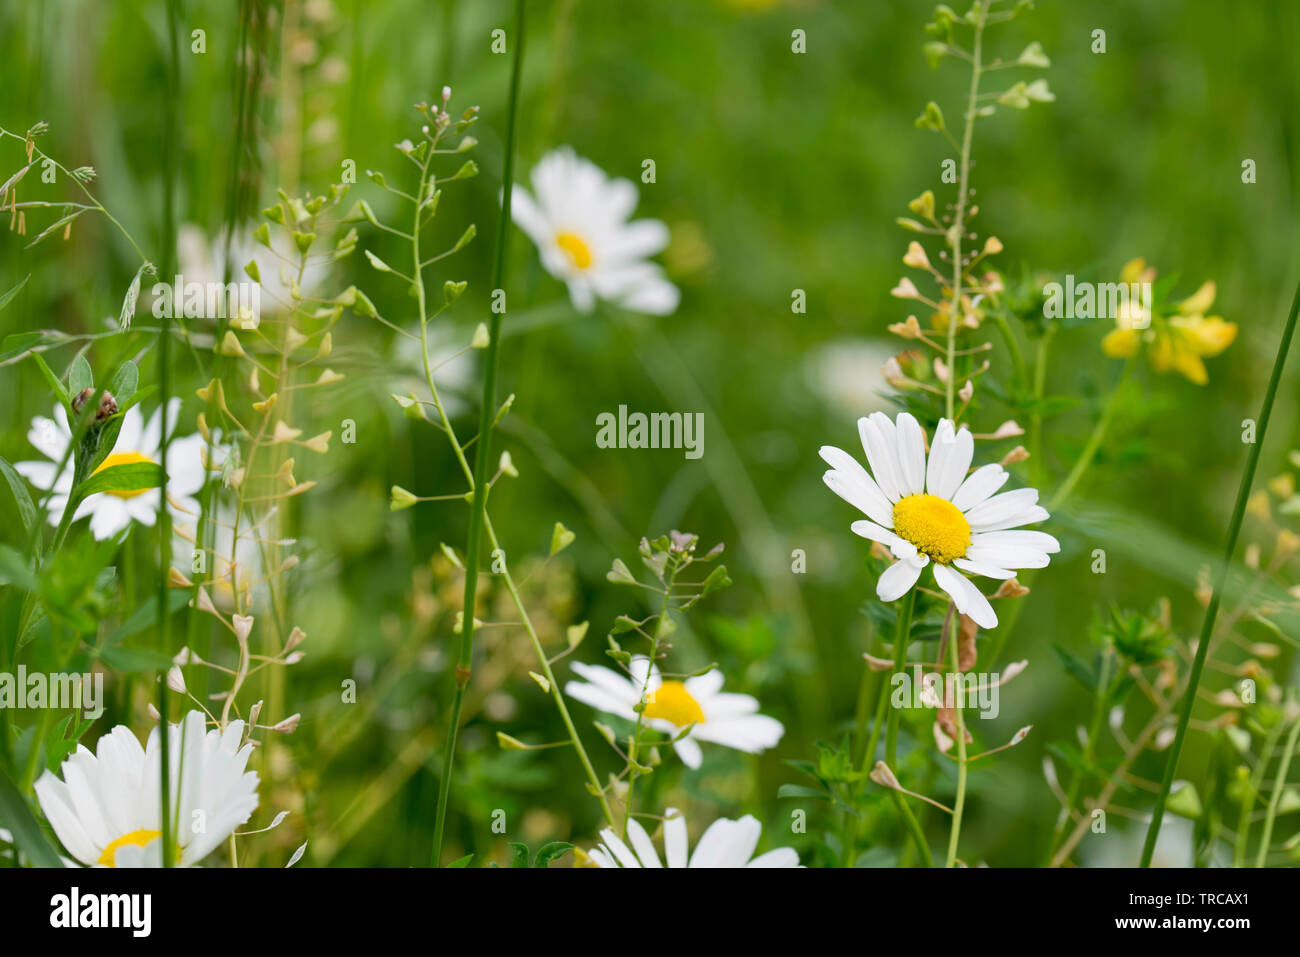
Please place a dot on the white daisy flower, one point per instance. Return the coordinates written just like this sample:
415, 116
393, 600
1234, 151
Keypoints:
578, 218
673, 706
110, 512
726, 843
105, 808
931, 511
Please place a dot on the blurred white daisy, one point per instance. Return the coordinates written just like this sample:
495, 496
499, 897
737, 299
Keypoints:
110, 512
726, 843
204, 262
226, 569
672, 706
931, 511
105, 808
578, 218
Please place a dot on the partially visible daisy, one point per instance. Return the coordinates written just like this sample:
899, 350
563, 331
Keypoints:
931, 512
1180, 342
204, 262
726, 843
578, 218
110, 512
672, 706
229, 571
105, 807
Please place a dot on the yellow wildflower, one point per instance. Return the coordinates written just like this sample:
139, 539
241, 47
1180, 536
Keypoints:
1179, 342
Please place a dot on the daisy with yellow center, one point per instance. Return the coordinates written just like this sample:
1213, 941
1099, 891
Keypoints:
104, 807
672, 706
579, 220
137, 442
1175, 343
726, 843
927, 510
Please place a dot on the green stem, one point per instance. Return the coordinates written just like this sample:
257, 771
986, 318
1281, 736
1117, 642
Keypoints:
959, 216
960, 710
913, 827
486, 417
1036, 464
661, 623
1252, 793
1221, 578
556, 694
1278, 787
1090, 447
1100, 696
901, 637
170, 151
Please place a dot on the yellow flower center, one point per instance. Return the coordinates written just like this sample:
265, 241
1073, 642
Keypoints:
575, 248
141, 838
934, 525
672, 702
123, 458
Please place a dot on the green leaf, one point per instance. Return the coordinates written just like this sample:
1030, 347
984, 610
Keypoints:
18, 820
4, 300
80, 376
15, 569
519, 857
145, 616
54, 226
551, 852
623, 623
462, 862
132, 477
19, 343
133, 659
799, 791
55, 385
1082, 672
23, 499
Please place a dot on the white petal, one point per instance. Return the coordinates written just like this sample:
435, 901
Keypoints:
781, 857
622, 853
911, 454
753, 733
987, 569
873, 532
1020, 538
641, 843
855, 485
898, 578
689, 751
727, 843
1008, 556
950, 456
969, 600
979, 485
1001, 507
880, 455
675, 838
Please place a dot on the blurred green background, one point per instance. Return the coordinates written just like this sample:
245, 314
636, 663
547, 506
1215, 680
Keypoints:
775, 171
